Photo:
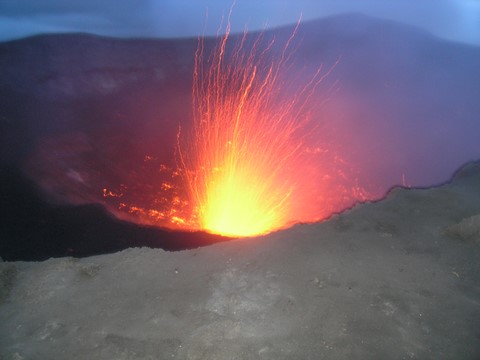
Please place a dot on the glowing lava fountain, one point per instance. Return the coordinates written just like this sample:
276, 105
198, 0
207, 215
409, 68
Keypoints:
243, 159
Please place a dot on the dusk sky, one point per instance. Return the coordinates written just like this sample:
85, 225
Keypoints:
457, 20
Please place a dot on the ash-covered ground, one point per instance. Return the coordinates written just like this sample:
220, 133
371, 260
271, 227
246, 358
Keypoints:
396, 279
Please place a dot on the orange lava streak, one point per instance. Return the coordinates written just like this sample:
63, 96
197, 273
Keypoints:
242, 160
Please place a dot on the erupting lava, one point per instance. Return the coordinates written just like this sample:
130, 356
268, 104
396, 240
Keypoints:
258, 156
243, 159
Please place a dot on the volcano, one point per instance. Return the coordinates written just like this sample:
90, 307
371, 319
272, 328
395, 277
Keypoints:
90, 146
91, 120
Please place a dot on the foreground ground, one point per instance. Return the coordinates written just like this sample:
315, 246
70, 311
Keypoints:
397, 279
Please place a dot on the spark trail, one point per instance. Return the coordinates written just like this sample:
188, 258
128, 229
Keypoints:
243, 161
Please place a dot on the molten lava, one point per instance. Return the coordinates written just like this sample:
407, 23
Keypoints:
243, 160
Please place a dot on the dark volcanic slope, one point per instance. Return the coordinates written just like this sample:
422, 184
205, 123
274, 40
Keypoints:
63, 83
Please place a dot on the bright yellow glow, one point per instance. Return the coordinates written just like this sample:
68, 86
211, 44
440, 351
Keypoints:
239, 202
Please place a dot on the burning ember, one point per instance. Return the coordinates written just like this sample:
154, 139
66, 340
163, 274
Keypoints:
243, 160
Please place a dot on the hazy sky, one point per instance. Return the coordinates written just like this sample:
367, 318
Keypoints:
453, 19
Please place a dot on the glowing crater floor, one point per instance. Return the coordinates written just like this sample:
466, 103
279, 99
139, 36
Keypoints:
397, 279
